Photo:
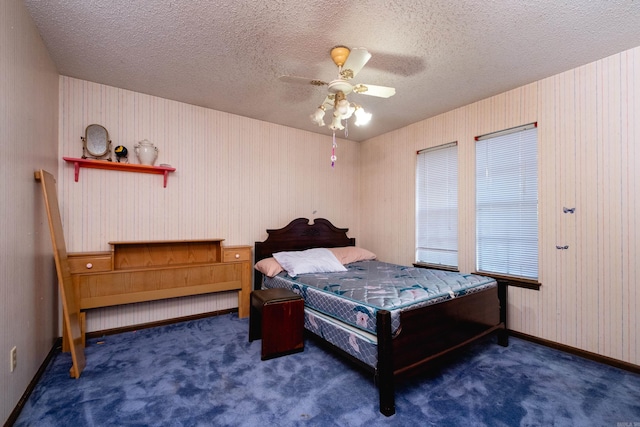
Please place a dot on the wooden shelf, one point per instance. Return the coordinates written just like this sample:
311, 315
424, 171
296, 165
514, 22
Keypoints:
128, 167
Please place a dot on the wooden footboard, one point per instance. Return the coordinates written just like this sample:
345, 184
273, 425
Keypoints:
430, 332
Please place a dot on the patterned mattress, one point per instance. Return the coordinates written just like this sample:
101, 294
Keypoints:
354, 297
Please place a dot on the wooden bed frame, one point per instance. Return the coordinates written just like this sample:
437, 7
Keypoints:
426, 333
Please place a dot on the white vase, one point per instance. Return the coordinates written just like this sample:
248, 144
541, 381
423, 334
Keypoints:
147, 153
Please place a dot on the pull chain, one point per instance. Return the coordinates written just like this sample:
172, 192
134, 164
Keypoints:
333, 150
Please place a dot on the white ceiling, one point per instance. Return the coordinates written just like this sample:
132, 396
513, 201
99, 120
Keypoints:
228, 54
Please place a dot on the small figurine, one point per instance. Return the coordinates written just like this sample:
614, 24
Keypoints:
121, 154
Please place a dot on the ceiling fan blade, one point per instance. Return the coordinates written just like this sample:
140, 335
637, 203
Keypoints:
328, 101
303, 80
357, 58
373, 90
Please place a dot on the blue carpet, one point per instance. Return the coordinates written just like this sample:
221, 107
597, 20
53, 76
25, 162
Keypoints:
206, 373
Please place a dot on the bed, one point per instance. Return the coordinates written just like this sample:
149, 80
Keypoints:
391, 326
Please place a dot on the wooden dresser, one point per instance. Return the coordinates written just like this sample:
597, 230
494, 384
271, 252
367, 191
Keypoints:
152, 270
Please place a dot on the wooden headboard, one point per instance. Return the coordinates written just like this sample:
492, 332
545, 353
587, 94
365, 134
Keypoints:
299, 235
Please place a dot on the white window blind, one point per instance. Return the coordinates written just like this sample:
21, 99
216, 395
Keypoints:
507, 202
437, 206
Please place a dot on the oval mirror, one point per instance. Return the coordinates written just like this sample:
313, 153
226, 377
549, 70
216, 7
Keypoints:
96, 143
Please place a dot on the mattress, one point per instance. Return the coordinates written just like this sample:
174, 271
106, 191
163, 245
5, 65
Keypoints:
355, 296
359, 344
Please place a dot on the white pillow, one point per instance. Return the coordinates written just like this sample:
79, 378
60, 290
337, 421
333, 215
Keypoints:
319, 260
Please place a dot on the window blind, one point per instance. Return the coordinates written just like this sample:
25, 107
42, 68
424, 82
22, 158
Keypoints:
507, 203
437, 205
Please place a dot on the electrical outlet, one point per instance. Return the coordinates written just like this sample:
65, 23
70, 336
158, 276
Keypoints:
13, 358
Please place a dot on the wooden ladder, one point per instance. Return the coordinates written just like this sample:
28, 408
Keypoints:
72, 317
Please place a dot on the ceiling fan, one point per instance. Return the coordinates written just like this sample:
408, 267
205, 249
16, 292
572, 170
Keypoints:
349, 63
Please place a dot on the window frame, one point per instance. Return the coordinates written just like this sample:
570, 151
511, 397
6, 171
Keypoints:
493, 189
441, 200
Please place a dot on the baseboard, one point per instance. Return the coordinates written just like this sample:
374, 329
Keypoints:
57, 347
578, 352
13, 417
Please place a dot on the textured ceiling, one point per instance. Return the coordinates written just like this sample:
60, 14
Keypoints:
227, 55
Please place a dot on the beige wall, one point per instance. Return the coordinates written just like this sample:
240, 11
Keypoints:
235, 178
28, 141
589, 152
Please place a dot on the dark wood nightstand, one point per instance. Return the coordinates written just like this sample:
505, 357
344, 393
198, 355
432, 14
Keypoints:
277, 317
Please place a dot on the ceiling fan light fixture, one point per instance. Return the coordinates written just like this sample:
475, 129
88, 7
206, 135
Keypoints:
362, 117
336, 124
350, 110
342, 107
349, 63
317, 116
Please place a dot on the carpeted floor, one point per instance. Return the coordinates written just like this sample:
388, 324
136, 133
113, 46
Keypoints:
206, 373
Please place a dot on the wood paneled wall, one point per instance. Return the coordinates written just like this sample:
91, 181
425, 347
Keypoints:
28, 141
235, 177
589, 159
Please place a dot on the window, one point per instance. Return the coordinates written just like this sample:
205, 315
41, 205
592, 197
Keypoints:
437, 206
507, 202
